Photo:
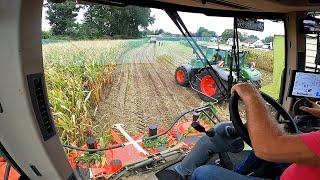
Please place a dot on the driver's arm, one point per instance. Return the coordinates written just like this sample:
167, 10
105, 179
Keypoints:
269, 141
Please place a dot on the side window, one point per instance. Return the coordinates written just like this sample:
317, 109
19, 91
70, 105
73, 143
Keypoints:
311, 52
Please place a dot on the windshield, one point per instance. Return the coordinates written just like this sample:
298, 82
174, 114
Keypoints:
116, 76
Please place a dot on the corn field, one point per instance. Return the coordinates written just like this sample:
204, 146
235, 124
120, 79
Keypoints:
76, 74
94, 84
263, 59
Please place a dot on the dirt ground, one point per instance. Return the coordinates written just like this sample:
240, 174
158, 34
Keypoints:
144, 92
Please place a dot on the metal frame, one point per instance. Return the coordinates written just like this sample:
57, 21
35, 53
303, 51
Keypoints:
204, 10
27, 47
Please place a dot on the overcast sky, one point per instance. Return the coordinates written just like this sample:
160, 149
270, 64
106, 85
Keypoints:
193, 21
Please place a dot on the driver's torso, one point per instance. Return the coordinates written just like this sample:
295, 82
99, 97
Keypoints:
300, 171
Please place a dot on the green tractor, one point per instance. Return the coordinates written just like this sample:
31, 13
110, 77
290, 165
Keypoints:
197, 74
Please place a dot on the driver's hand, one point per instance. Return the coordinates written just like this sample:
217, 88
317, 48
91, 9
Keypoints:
315, 110
246, 91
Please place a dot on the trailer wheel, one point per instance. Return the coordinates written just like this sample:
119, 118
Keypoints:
182, 76
208, 87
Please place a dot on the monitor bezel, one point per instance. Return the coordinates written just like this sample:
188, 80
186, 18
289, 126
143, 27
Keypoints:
293, 77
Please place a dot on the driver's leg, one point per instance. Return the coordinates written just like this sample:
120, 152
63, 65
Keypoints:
205, 147
212, 172
199, 155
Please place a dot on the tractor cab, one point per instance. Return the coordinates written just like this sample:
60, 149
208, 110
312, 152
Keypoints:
223, 57
215, 54
167, 103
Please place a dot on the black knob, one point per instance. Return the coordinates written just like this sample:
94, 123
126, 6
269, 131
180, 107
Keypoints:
197, 126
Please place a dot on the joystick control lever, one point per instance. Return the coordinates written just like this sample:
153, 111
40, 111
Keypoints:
197, 126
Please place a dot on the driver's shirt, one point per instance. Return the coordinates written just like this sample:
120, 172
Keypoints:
305, 172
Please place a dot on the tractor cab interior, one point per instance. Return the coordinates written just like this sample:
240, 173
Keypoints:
32, 145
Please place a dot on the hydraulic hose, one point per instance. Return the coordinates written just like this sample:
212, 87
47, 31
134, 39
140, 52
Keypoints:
93, 150
201, 108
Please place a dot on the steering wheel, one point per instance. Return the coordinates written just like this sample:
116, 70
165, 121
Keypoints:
241, 128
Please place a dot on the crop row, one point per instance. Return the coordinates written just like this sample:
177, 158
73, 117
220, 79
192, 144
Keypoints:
76, 74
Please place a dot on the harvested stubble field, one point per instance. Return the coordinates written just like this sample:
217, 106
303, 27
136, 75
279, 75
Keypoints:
144, 90
95, 84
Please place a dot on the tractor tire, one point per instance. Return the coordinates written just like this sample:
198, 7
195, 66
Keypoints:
208, 87
182, 76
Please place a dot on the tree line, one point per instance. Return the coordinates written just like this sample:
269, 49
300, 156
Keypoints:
226, 34
244, 37
100, 21
103, 21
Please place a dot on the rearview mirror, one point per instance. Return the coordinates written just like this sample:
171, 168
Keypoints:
250, 24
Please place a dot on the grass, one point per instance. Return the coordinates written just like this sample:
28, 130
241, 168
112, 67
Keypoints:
273, 89
176, 51
97, 158
76, 74
155, 143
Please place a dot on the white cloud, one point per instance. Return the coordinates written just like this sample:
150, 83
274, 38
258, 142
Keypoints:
45, 23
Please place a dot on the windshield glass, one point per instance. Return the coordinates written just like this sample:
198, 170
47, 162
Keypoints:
116, 76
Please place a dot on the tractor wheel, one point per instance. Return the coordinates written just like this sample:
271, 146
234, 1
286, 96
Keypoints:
208, 87
182, 76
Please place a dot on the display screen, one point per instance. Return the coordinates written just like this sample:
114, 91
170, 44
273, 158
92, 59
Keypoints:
311, 25
305, 84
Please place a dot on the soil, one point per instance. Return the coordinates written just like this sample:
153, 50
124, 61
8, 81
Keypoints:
144, 92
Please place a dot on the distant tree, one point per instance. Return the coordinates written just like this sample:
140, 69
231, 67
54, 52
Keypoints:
245, 35
147, 31
253, 37
168, 34
46, 34
228, 33
62, 17
250, 38
101, 20
158, 31
267, 39
203, 32
96, 24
